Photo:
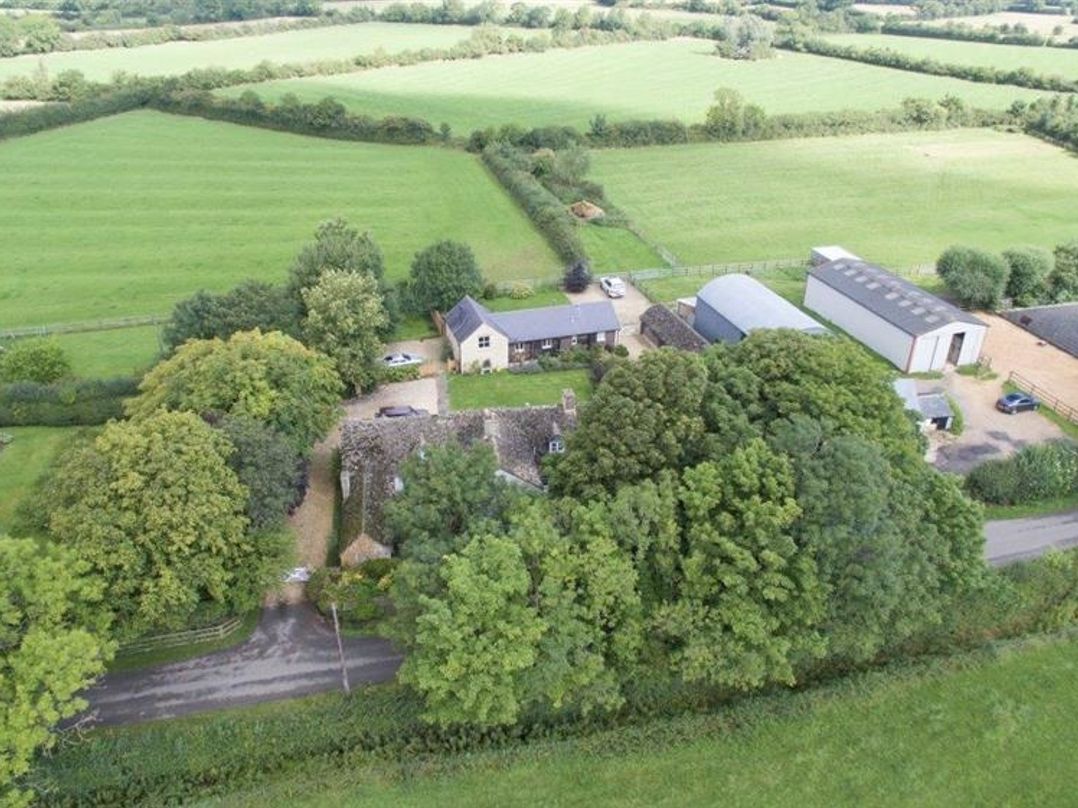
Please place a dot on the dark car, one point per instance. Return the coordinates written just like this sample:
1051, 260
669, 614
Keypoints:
399, 411
1017, 402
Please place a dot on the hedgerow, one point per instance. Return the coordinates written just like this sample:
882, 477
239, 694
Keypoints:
76, 403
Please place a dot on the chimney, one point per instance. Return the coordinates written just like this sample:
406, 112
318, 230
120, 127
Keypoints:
568, 402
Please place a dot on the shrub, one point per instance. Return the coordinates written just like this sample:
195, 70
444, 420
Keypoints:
405, 373
75, 403
1027, 283
1039, 472
521, 291
977, 278
360, 593
577, 276
34, 360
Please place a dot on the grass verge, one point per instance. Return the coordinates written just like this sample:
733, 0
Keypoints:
163, 656
1045, 507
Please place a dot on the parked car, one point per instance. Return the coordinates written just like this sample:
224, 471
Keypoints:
400, 411
1017, 402
400, 360
298, 575
612, 285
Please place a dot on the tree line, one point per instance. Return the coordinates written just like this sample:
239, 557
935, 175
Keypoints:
1024, 276
1003, 35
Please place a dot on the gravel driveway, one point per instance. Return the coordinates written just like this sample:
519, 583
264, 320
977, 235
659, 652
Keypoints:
628, 308
988, 434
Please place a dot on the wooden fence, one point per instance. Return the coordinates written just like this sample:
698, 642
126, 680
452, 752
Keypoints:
713, 270
177, 638
1050, 400
77, 328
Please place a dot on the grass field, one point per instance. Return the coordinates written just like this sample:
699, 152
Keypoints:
674, 79
474, 392
788, 282
24, 460
125, 215
1052, 61
117, 352
311, 45
994, 732
898, 200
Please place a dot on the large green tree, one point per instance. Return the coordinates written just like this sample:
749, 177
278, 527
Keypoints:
345, 316
52, 645
1063, 280
749, 599
271, 378
336, 246
153, 508
975, 277
1027, 283
250, 305
442, 274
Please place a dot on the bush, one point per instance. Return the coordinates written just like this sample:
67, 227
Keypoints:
577, 276
521, 291
360, 593
405, 373
76, 403
34, 360
1043, 471
975, 277
1027, 283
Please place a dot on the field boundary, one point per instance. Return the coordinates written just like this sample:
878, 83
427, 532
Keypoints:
84, 326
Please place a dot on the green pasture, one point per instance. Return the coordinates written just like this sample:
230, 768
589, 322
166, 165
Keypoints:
993, 728
673, 79
789, 282
116, 352
125, 215
308, 45
505, 389
898, 199
1051, 61
24, 460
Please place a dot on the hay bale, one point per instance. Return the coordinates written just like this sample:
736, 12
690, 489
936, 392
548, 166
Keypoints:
586, 210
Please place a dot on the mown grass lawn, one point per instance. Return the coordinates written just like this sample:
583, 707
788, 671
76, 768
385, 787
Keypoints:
1049, 61
505, 389
125, 215
24, 460
538, 299
672, 79
898, 200
309, 45
995, 732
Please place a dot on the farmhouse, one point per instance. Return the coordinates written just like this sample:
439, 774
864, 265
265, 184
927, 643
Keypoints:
729, 307
483, 340
372, 452
1057, 325
665, 328
913, 329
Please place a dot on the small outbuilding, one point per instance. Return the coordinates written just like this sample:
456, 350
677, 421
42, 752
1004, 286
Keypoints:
910, 327
665, 328
730, 307
933, 411
821, 255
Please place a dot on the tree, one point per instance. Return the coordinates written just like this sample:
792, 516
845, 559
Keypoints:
267, 465
52, 628
730, 118
976, 278
345, 315
336, 246
40, 34
473, 643
271, 378
34, 360
153, 508
749, 597
442, 274
9, 36
1027, 283
250, 305
577, 276
1063, 280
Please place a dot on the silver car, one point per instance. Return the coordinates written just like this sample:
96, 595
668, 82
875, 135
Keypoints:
400, 360
612, 285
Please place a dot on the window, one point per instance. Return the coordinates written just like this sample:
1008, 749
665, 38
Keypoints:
600, 337
548, 344
557, 445
574, 340
518, 347
484, 342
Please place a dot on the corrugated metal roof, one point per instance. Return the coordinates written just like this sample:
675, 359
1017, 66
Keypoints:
907, 391
896, 300
528, 325
1057, 324
750, 305
934, 405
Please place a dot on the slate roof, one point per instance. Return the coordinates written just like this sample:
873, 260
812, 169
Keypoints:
672, 330
890, 297
1057, 325
934, 405
907, 391
529, 325
750, 305
373, 451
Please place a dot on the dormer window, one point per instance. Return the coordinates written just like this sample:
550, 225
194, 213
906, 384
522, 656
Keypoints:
556, 445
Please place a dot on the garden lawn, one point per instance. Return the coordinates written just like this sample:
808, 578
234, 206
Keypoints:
672, 79
128, 214
505, 389
996, 732
310, 45
24, 460
1049, 61
538, 299
898, 200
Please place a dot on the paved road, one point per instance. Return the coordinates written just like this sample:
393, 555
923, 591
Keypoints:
1016, 539
292, 653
